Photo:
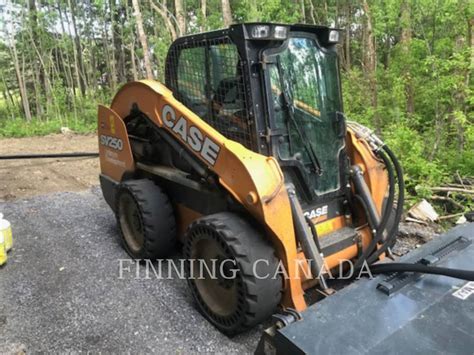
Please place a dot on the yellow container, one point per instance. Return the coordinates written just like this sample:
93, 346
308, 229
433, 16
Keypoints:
6, 230
3, 250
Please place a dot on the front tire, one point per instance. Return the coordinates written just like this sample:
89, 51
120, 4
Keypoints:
146, 220
239, 295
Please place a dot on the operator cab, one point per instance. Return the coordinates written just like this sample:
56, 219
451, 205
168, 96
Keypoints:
276, 90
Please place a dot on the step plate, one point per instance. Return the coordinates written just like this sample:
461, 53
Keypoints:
338, 240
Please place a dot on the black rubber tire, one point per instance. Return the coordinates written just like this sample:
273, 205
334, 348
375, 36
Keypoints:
257, 298
156, 217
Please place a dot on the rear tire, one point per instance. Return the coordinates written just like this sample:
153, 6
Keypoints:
233, 301
146, 220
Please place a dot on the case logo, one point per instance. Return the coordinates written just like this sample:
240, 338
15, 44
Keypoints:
317, 212
191, 135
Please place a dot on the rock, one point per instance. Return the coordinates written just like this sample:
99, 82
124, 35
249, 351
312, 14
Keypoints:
425, 232
13, 348
469, 216
66, 130
412, 235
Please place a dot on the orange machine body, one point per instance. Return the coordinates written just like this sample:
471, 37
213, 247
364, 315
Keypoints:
255, 181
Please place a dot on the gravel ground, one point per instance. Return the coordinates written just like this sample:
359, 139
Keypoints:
60, 290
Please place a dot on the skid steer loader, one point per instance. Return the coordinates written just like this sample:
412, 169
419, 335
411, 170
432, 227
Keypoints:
244, 154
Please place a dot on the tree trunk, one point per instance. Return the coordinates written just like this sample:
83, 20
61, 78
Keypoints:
68, 71
132, 46
162, 11
106, 78
303, 11
326, 13
460, 96
311, 12
77, 49
41, 73
204, 15
405, 41
21, 83
180, 16
113, 55
8, 96
347, 40
118, 40
132, 61
226, 13
143, 39
370, 65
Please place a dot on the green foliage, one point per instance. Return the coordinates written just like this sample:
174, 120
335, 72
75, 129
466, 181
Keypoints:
409, 145
81, 119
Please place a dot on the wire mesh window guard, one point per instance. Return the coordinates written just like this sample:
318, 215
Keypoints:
208, 79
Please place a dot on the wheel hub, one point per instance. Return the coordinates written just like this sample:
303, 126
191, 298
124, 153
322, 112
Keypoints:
131, 223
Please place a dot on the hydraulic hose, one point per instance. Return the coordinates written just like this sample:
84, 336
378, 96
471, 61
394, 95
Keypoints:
372, 224
47, 155
380, 228
420, 268
398, 213
363, 191
314, 232
368, 256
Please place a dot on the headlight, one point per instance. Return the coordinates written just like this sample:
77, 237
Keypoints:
333, 36
260, 31
280, 32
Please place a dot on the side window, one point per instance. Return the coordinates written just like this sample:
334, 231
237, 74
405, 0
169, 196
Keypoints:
191, 79
209, 81
229, 108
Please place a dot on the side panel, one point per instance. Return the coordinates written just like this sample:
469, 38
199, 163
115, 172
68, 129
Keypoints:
114, 147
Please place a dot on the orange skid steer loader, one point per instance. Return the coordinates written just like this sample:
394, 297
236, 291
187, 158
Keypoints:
244, 155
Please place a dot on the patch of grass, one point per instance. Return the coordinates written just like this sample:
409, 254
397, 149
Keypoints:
82, 120
36, 127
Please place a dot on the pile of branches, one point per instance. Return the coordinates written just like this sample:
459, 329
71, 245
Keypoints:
457, 198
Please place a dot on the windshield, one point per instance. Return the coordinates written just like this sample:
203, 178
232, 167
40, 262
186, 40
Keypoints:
305, 89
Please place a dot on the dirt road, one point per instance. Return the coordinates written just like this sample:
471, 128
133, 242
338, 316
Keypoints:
25, 178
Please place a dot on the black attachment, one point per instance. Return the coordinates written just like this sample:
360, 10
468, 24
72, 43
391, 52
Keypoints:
403, 274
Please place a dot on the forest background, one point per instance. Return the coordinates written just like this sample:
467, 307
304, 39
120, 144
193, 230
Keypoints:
406, 66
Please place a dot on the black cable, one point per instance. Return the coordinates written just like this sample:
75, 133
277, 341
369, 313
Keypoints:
420, 268
46, 155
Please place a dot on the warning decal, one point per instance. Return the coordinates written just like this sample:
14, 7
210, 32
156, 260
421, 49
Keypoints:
465, 291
